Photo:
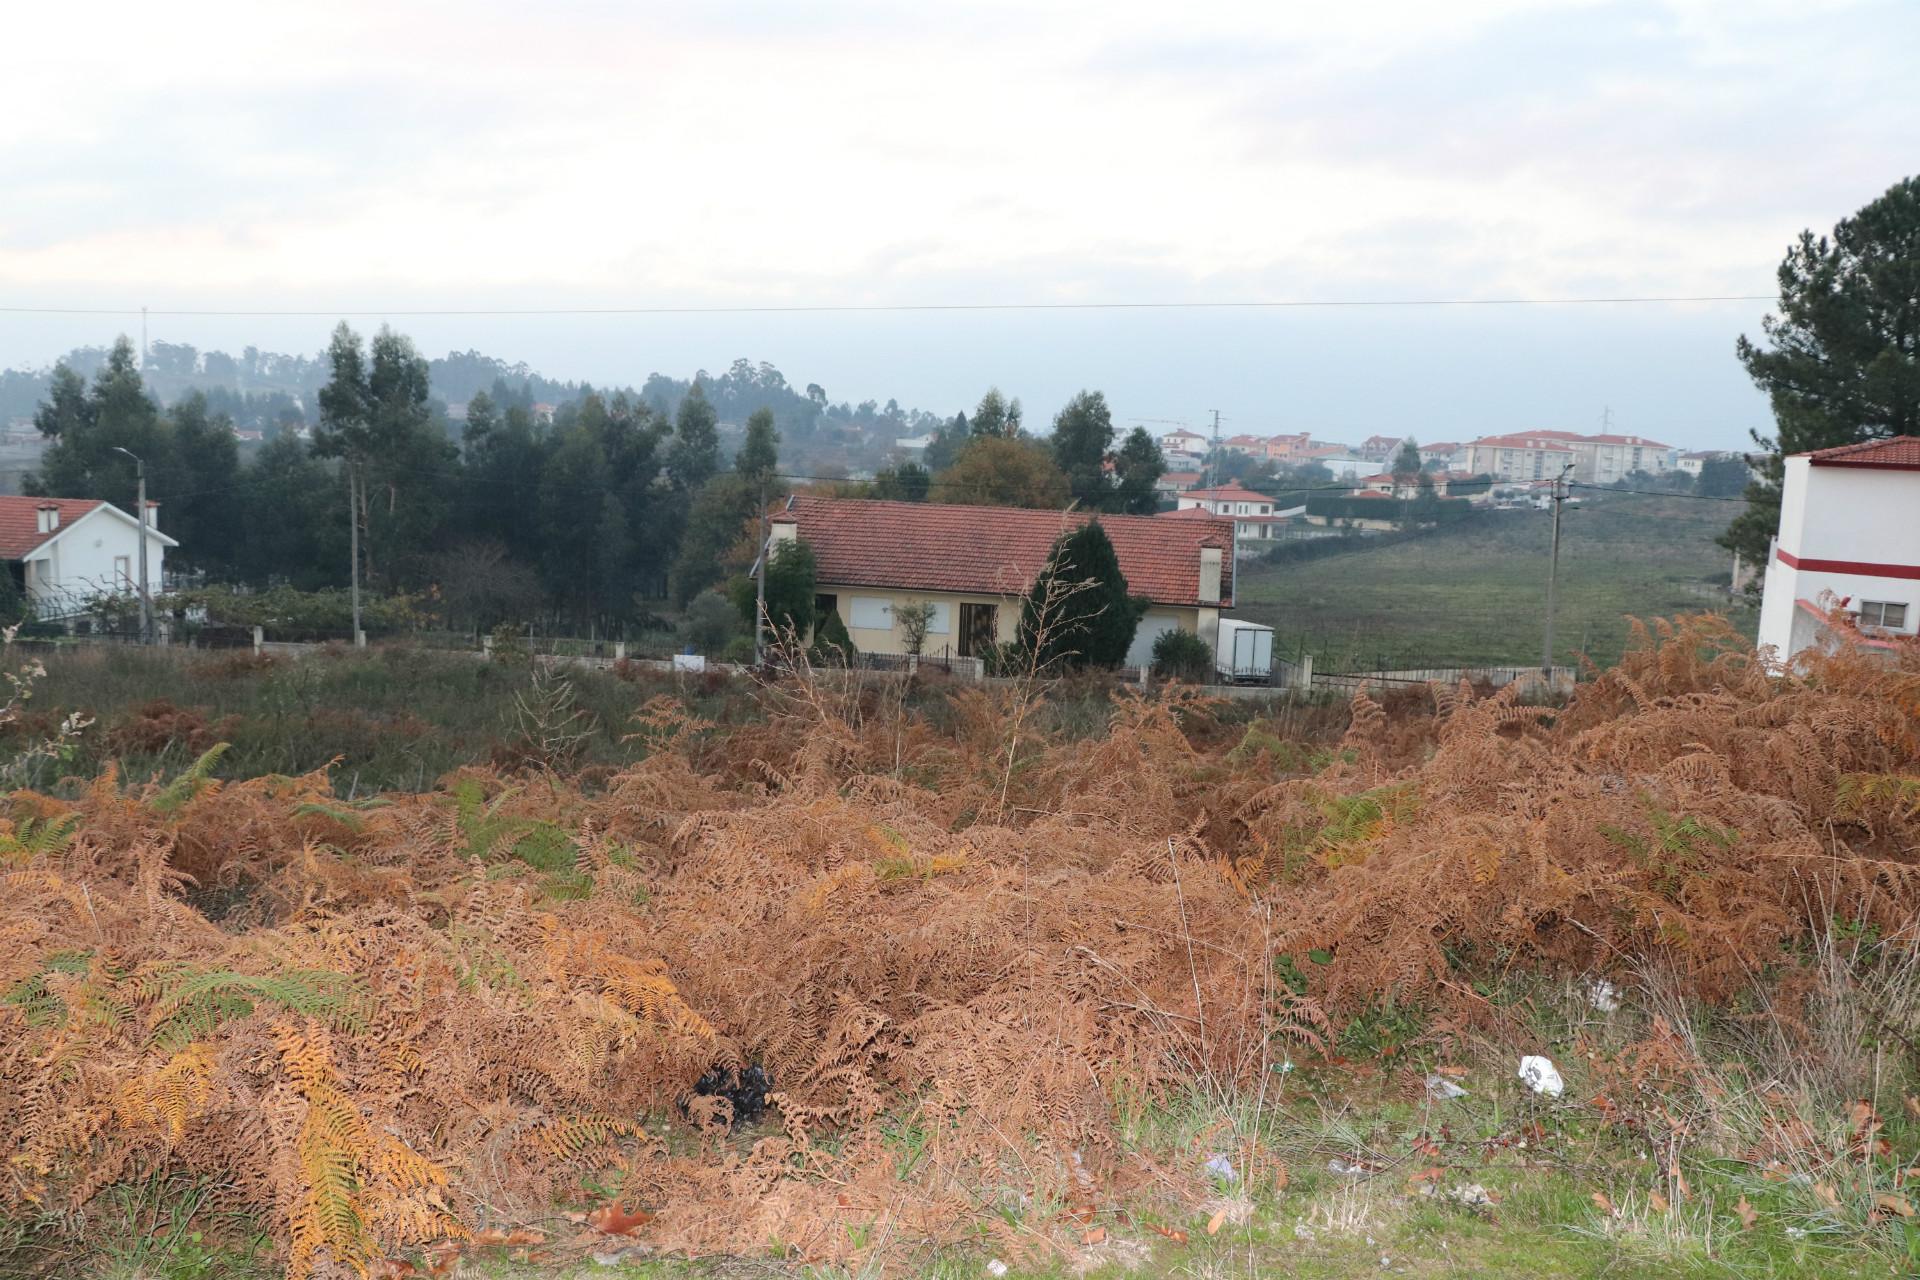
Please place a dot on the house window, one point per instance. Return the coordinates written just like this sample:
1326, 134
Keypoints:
1883, 613
123, 571
874, 613
941, 623
825, 604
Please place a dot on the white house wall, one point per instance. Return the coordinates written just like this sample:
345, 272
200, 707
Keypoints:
79, 560
1859, 515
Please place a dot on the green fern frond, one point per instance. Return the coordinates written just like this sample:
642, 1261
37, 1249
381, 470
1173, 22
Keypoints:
189, 1003
192, 782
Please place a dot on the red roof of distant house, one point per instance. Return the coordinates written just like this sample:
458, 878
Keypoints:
1901, 453
916, 546
1639, 440
20, 532
1181, 477
1232, 491
1378, 440
1530, 440
1448, 445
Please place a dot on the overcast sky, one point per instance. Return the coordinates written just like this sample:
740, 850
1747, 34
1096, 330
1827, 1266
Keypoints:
376, 156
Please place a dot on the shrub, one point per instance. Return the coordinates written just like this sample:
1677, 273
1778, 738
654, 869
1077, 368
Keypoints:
832, 646
1182, 655
710, 623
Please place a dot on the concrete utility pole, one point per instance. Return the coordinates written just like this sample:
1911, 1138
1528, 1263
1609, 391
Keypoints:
760, 586
1553, 567
1213, 451
140, 500
353, 542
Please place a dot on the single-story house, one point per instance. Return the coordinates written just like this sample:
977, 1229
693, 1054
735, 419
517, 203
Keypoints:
974, 565
64, 553
1848, 541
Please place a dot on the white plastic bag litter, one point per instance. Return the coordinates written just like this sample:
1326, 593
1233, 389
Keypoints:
1541, 1077
1441, 1089
1222, 1168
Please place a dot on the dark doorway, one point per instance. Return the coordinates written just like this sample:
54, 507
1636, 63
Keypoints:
979, 627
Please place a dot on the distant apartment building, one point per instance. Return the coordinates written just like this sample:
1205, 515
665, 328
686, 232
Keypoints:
1539, 456
1542, 455
1849, 541
1606, 459
1447, 454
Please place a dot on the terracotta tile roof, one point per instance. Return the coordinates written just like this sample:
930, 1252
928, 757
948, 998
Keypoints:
1545, 440
1902, 453
1232, 491
1623, 440
20, 522
916, 546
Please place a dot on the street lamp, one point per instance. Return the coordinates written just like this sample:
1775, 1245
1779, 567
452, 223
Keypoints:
146, 598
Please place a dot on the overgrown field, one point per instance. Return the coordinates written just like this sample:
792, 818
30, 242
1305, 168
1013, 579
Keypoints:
1186, 994
1476, 595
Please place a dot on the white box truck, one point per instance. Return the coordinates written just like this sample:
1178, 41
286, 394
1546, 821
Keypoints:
1244, 653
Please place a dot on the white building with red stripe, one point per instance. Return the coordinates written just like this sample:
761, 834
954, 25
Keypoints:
1849, 539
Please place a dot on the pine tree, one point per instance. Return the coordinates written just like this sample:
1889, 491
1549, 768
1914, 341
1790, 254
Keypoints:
1078, 612
1844, 364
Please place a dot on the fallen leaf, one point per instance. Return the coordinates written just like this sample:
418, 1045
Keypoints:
1601, 1201
1432, 1173
1280, 1177
1658, 1202
524, 1235
616, 1221
1825, 1192
1213, 1223
1894, 1204
443, 1259
1748, 1215
1174, 1234
1913, 1106
1680, 1188
1096, 1235
1458, 1073
392, 1269
491, 1236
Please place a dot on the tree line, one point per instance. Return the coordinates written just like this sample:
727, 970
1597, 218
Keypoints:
589, 518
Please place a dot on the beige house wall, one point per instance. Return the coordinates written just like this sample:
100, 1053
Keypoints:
852, 602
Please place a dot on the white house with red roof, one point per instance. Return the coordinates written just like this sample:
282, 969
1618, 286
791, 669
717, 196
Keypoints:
65, 553
1257, 520
974, 565
1849, 540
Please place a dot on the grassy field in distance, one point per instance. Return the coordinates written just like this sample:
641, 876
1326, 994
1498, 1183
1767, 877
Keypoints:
1477, 595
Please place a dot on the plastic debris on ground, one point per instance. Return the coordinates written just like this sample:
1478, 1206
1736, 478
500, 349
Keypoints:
1542, 1076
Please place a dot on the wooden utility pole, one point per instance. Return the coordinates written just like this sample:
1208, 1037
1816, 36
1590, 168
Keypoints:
1553, 567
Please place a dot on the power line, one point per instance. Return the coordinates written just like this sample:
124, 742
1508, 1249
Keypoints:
829, 308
